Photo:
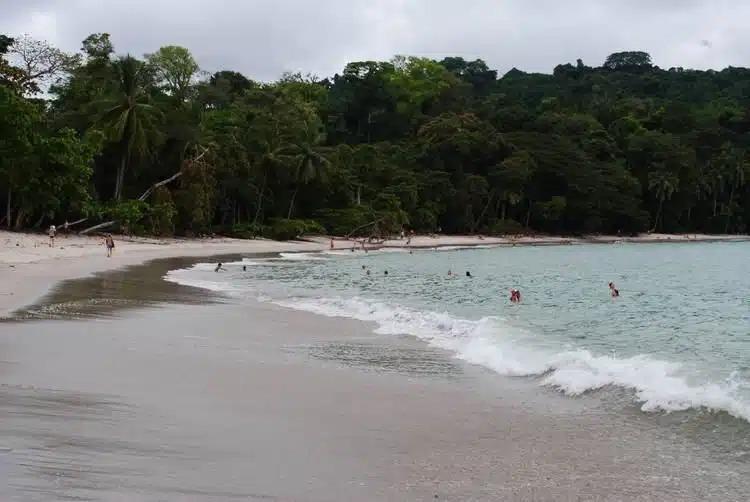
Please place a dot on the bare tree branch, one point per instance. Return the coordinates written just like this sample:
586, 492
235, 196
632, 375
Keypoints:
41, 62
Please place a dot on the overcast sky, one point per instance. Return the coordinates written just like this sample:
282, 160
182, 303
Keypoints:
263, 38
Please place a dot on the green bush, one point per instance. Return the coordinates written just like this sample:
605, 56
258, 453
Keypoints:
129, 215
506, 227
244, 231
162, 212
282, 229
344, 221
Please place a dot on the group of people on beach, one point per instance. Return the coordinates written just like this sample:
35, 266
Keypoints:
108, 240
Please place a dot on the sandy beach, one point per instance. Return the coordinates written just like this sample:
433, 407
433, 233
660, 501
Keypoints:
29, 267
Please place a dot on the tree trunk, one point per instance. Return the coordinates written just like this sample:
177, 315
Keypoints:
481, 215
260, 197
503, 209
8, 210
120, 177
658, 214
20, 217
714, 204
729, 209
291, 203
359, 195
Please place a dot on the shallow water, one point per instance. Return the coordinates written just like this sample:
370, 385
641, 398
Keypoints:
677, 339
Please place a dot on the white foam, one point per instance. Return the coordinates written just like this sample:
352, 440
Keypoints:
461, 248
658, 385
301, 256
339, 253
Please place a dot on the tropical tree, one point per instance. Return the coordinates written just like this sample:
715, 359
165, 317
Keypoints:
127, 117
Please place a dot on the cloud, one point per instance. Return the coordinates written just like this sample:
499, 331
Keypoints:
263, 38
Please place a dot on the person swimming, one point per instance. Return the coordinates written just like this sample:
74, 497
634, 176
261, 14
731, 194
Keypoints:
218, 267
613, 290
515, 295
468, 274
244, 268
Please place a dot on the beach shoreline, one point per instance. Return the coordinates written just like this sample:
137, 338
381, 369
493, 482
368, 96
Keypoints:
30, 268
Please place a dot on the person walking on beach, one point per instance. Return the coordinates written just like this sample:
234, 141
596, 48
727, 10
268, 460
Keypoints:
52, 233
110, 243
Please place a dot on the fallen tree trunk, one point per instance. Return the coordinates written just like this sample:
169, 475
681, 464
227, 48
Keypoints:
68, 225
148, 192
97, 227
364, 226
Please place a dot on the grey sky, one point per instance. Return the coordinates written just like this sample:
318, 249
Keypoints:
263, 38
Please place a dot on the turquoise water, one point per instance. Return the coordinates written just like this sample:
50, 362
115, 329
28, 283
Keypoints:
678, 337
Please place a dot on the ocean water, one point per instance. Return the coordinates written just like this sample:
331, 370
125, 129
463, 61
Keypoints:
676, 340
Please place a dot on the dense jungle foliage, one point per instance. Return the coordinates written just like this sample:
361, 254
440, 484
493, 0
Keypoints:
155, 145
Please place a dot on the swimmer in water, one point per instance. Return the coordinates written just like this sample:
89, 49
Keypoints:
515, 295
218, 267
244, 268
468, 274
613, 290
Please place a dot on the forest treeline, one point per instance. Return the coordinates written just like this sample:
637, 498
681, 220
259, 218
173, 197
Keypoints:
152, 144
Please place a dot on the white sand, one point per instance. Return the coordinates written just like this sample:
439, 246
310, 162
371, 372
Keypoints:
29, 267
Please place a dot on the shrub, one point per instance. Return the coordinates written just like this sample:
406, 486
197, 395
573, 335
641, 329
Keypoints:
282, 229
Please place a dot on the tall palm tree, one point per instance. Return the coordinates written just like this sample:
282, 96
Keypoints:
308, 159
664, 184
127, 115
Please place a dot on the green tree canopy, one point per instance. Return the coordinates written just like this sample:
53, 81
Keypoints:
156, 145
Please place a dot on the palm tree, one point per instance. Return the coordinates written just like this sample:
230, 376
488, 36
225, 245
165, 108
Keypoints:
664, 185
127, 116
308, 159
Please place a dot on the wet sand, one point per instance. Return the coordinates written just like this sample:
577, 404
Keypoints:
172, 395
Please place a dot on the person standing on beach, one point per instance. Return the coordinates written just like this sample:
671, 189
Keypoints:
110, 243
52, 233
